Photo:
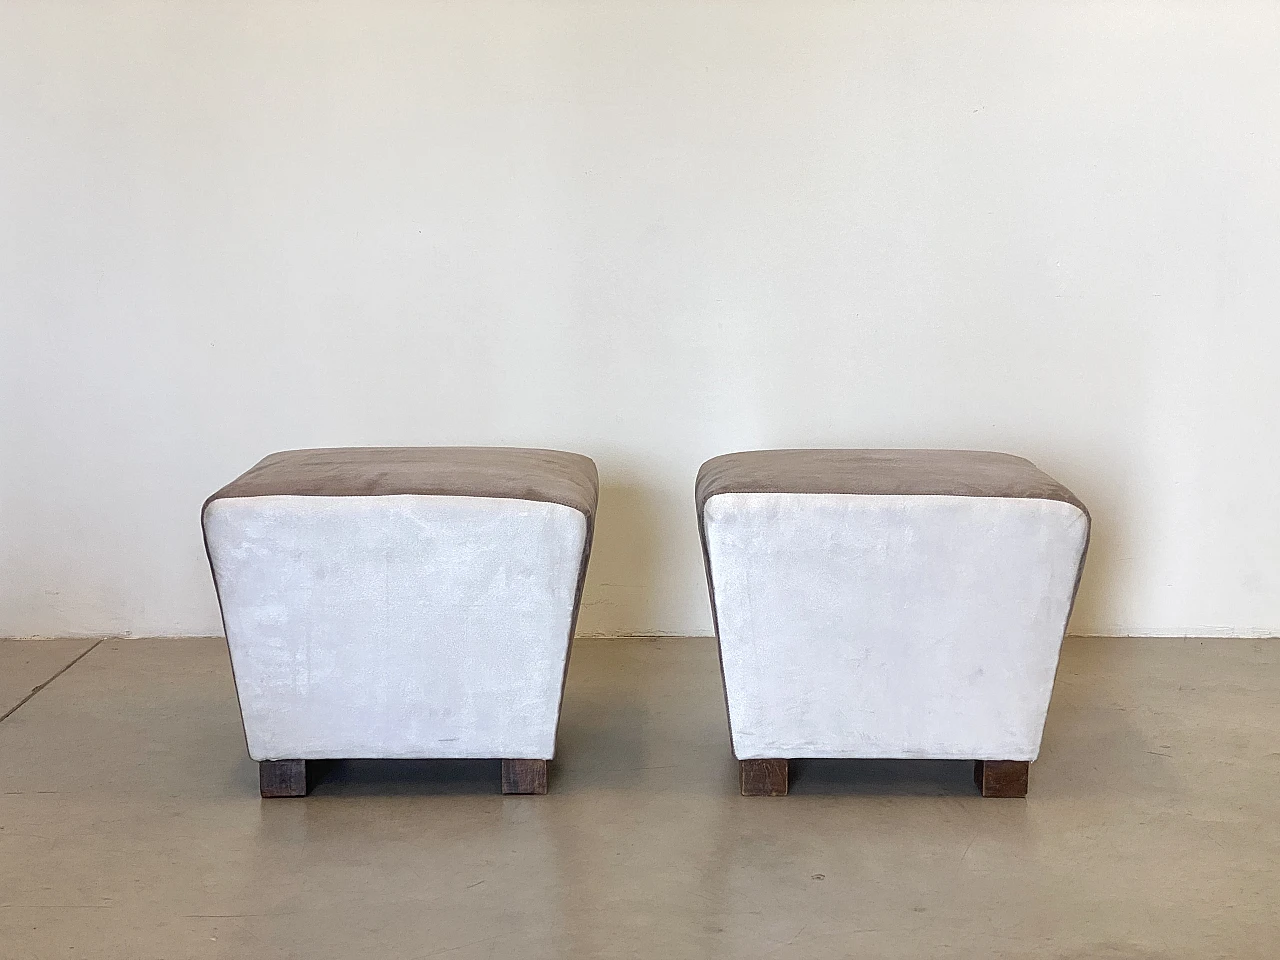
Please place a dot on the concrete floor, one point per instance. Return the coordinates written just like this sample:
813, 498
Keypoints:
130, 825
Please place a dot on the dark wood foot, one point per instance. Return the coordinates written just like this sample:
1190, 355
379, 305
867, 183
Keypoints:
763, 778
524, 776
282, 778
1002, 778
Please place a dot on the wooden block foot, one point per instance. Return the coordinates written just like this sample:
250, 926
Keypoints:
524, 776
1002, 778
282, 778
763, 778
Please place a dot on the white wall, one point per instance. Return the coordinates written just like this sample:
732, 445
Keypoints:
650, 232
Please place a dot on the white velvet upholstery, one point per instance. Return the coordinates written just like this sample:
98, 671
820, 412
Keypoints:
856, 625
397, 626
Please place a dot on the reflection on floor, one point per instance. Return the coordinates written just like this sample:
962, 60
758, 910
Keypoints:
130, 825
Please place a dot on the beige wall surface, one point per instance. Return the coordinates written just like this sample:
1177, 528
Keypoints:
650, 232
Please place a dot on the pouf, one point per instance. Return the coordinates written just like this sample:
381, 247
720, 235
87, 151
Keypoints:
888, 604
402, 603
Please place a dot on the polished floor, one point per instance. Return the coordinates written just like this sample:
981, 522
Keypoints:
130, 825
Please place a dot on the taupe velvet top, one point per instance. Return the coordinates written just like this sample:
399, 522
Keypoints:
957, 473
507, 473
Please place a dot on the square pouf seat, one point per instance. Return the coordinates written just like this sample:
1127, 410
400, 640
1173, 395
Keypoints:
888, 604
402, 603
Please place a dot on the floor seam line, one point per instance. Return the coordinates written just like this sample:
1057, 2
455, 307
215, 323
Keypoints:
39, 687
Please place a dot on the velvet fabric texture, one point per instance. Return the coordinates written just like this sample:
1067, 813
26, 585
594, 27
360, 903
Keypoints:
888, 603
371, 613
955, 473
516, 473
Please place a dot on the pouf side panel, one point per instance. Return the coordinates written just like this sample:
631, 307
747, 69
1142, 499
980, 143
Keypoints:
397, 626
890, 626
